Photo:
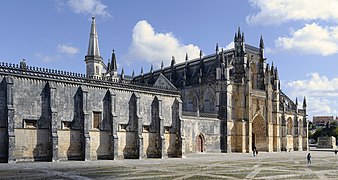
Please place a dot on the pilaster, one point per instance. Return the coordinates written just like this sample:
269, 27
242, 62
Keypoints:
54, 123
139, 137
249, 136
228, 111
222, 115
86, 125
243, 135
114, 127
10, 120
161, 130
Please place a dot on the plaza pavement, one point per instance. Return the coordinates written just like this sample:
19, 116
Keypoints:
277, 165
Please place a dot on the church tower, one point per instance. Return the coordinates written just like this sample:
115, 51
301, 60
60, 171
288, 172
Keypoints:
93, 59
239, 63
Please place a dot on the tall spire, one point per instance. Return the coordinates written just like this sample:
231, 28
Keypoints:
261, 43
304, 103
272, 69
93, 47
122, 74
93, 59
113, 62
276, 74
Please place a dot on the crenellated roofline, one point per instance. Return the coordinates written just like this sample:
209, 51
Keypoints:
9, 69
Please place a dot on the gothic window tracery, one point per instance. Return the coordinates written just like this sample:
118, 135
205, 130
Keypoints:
191, 102
289, 126
209, 101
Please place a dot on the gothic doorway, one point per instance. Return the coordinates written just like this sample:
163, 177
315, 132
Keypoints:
259, 134
200, 143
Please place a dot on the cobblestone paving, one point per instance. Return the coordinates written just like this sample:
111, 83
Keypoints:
282, 165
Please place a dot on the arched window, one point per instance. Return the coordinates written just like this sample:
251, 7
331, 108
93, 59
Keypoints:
289, 126
191, 102
209, 101
296, 127
253, 76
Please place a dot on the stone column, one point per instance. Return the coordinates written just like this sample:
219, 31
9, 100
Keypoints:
250, 136
228, 113
10, 120
222, 115
86, 125
54, 124
243, 135
295, 133
139, 137
305, 139
114, 127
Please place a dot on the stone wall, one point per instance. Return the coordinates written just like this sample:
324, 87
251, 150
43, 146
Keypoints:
99, 144
209, 128
54, 118
327, 142
33, 144
70, 145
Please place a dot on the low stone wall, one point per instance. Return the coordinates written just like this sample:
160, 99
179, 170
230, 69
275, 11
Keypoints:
99, 144
327, 142
70, 145
33, 144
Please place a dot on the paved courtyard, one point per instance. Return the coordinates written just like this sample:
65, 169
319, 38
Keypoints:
195, 166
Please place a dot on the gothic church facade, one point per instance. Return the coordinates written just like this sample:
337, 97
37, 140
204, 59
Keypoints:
229, 101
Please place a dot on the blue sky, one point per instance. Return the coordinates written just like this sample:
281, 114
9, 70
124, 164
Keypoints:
301, 38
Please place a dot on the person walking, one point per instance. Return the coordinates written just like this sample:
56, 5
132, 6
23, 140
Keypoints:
308, 157
254, 151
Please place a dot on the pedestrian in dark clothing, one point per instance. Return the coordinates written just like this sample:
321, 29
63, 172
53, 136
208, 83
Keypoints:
308, 157
254, 151
335, 152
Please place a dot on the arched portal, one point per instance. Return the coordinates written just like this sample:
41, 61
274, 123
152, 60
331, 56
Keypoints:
200, 143
289, 126
290, 132
259, 134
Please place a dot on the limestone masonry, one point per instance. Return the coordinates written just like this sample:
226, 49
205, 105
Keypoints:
229, 101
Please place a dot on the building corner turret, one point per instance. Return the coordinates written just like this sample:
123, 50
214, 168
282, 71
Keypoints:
93, 59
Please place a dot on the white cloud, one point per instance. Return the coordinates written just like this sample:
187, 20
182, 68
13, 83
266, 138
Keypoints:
67, 49
280, 11
321, 93
47, 57
311, 39
91, 7
152, 47
59, 5
231, 45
